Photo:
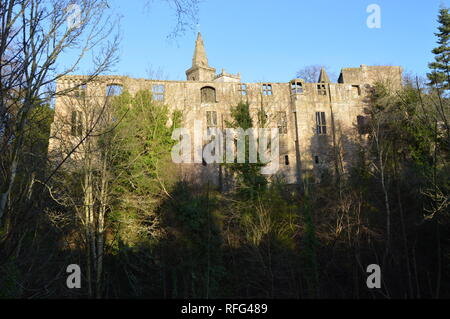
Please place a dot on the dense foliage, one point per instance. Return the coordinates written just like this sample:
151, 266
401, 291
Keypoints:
139, 231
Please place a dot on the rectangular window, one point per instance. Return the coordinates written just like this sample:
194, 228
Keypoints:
77, 123
243, 89
296, 88
321, 89
158, 92
282, 122
114, 90
321, 123
80, 92
356, 91
316, 159
211, 119
362, 124
267, 89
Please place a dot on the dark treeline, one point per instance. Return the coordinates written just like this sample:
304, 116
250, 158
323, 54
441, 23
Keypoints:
118, 208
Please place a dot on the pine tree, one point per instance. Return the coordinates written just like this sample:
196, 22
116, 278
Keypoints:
440, 69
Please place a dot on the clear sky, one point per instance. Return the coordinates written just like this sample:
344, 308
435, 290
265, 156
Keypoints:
268, 40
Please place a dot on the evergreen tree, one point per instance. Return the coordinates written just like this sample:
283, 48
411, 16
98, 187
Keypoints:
440, 69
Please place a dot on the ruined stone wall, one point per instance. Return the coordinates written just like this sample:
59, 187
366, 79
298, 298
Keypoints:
301, 148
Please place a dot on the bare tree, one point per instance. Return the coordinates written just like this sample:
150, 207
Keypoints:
186, 15
311, 73
82, 185
34, 35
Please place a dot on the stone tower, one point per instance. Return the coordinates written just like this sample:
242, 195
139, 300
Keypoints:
200, 70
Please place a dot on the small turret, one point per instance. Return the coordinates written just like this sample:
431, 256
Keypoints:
200, 70
323, 77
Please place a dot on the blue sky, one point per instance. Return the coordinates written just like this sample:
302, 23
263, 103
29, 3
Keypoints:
268, 40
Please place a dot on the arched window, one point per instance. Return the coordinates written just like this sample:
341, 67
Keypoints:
208, 94
114, 89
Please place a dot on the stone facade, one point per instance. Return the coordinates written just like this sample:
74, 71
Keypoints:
310, 116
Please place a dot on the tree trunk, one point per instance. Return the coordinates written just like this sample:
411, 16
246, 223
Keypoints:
8, 187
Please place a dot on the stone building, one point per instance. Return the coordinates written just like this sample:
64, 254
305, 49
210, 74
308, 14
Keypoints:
311, 117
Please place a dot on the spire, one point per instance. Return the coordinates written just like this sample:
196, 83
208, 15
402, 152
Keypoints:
200, 70
199, 58
323, 78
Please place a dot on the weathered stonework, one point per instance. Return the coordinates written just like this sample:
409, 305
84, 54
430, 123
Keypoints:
302, 149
